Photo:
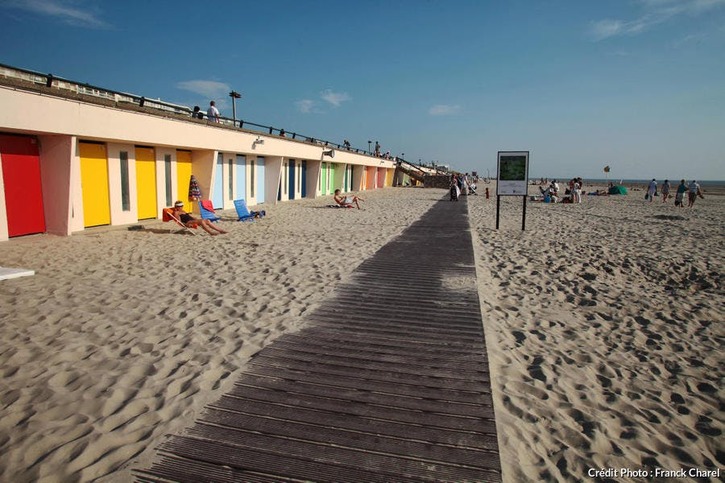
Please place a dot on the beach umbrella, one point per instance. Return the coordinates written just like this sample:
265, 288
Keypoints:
194, 190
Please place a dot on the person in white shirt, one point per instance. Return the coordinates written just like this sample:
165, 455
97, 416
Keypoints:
693, 192
212, 113
651, 190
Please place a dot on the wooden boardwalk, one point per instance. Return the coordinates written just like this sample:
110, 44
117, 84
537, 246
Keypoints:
388, 382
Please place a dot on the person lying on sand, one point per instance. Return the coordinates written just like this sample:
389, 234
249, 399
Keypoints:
347, 201
192, 222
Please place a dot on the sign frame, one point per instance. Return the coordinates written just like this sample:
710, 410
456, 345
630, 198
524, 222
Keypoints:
512, 176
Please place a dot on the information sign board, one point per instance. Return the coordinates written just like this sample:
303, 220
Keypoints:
513, 173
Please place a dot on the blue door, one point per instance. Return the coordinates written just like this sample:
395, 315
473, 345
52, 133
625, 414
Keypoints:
217, 194
260, 179
304, 179
241, 169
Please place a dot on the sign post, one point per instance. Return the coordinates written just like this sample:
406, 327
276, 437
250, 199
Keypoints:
512, 179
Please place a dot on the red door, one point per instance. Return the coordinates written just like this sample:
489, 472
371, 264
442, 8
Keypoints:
23, 192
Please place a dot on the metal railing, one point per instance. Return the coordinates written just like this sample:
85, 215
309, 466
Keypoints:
50, 80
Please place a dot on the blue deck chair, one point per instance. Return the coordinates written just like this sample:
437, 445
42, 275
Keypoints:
243, 212
207, 211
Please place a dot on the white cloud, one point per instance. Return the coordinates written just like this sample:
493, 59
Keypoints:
206, 88
655, 12
444, 110
334, 98
305, 105
63, 10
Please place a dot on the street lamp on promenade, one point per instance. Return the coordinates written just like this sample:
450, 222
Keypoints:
234, 95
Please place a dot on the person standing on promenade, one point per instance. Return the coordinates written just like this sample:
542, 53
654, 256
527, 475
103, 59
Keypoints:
694, 191
665, 190
212, 113
680, 195
651, 190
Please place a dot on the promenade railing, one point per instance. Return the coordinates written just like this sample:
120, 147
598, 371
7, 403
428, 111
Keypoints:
50, 81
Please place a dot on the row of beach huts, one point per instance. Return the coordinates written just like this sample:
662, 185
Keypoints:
75, 156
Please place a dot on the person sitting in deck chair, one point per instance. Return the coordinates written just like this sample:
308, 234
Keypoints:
192, 222
347, 201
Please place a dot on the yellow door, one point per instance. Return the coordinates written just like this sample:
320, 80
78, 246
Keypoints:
146, 183
183, 175
94, 184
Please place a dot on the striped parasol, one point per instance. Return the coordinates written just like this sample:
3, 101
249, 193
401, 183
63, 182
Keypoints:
194, 190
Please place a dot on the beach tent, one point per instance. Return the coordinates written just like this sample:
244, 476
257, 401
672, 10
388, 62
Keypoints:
618, 190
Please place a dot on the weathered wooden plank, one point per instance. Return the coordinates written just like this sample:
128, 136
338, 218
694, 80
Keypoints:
483, 439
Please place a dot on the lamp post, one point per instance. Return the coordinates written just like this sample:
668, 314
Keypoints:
234, 95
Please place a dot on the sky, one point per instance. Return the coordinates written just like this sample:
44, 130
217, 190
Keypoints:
637, 85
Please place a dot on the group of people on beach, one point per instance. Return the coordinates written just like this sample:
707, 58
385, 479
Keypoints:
693, 191
572, 194
463, 184
189, 221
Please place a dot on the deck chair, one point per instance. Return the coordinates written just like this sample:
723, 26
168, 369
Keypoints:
168, 215
206, 208
243, 212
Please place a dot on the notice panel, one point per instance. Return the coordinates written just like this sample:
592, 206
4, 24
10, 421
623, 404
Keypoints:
513, 173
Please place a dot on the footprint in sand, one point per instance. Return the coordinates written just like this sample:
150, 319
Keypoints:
535, 369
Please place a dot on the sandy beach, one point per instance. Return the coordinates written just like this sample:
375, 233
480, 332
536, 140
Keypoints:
605, 337
123, 336
603, 324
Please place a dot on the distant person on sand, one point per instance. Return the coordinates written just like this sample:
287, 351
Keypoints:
192, 222
347, 201
212, 113
651, 190
665, 190
680, 195
694, 192
576, 192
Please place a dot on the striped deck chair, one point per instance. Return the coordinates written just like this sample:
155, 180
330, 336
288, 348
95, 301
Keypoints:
206, 208
168, 215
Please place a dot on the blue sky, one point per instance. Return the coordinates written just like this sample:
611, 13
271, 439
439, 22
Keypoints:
638, 85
